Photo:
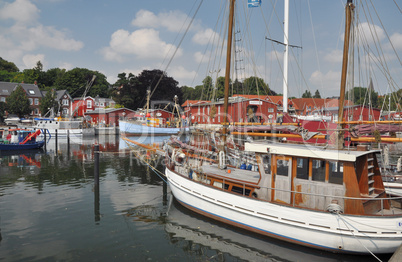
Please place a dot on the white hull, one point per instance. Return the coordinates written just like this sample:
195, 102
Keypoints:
130, 128
322, 230
72, 132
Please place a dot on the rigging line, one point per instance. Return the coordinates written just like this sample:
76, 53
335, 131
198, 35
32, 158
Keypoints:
178, 46
351, 231
315, 44
382, 25
382, 61
379, 49
398, 6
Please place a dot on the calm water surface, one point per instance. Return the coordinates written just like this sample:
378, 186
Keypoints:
50, 211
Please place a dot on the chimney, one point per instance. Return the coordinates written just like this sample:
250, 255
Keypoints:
35, 83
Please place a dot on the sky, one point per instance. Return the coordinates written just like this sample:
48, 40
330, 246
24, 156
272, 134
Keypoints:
130, 36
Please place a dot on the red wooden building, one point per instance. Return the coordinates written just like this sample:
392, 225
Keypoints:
239, 110
355, 113
110, 116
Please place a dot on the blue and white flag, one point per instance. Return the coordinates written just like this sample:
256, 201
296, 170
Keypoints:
254, 3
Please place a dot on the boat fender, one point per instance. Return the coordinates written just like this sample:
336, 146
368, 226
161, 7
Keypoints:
243, 166
254, 194
190, 174
335, 208
249, 167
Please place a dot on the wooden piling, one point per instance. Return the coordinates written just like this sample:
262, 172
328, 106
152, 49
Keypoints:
96, 165
56, 142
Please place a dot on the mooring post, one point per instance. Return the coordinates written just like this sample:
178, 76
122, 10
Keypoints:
96, 183
96, 165
45, 138
56, 142
68, 138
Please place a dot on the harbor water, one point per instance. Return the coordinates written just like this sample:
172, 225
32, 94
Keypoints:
51, 211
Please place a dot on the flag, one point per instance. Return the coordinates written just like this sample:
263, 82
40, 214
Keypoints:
254, 3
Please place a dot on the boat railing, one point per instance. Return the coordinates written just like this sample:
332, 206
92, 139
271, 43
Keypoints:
327, 199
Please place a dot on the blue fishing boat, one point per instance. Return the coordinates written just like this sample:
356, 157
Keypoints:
20, 139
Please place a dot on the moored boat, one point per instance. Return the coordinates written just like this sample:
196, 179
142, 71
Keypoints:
20, 139
326, 197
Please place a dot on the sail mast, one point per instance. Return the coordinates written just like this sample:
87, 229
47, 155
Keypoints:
348, 21
286, 57
227, 72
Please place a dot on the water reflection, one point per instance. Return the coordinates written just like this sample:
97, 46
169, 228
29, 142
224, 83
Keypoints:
129, 217
194, 233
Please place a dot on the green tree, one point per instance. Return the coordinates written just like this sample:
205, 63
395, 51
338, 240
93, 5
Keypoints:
34, 74
317, 94
255, 85
125, 92
49, 78
49, 102
307, 94
187, 92
207, 88
220, 87
77, 80
2, 109
161, 85
131, 90
8, 66
363, 96
18, 102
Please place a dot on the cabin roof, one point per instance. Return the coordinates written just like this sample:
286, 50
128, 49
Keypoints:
311, 151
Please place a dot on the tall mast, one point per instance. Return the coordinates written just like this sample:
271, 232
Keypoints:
348, 22
286, 57
227, 72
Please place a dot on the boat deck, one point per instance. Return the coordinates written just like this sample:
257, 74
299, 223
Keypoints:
237, 174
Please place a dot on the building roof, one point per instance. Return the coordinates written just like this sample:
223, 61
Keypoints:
273, 99
336, 108
32, 90
194, 102
107, 110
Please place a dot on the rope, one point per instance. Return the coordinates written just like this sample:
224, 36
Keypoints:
178, 46
351, 231
156, 171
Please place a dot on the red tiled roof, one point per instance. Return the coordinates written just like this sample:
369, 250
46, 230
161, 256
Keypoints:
194, 102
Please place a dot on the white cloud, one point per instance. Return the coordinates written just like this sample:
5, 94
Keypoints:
371, 33
276, 56
66, 66
27, 35
202, 58
21, 11
330, 82
181, 73
206, 36
30, 61
173, 21
396, 40
335, 56
143, 43
145, 18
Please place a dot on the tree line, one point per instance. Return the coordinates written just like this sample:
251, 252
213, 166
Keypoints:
130, 90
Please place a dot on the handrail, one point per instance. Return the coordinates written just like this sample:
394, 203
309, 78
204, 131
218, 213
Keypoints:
204, 178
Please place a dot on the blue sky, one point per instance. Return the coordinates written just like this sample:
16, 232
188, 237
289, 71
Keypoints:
130, 36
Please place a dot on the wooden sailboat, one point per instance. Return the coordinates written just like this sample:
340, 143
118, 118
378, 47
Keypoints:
323, 197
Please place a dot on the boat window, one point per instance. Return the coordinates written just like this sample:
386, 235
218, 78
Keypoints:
318, 170
335, 172
239, 190
266, 160
282, 167
302, 168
